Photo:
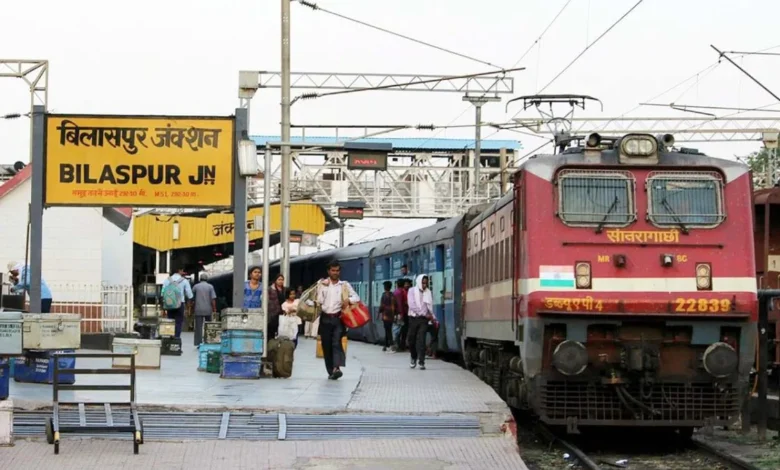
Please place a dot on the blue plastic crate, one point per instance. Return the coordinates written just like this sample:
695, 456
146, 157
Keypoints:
38, 367
242, 342
5, 373
203, 354
241, 367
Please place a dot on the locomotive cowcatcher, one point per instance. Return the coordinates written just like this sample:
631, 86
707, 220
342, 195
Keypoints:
615, 286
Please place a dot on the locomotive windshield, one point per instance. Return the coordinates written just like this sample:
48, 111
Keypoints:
685, 199
595, 198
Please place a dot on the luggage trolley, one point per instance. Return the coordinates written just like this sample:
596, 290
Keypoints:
62, 420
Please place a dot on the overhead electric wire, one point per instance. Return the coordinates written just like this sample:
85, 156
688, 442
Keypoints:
579, 55
757, 82
14, 115
527, 51
589, 46
706, 69
543, 33
316, 7
721, 108
754, 53
398, 85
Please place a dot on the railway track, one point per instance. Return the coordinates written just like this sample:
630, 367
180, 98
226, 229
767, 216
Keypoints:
644, 454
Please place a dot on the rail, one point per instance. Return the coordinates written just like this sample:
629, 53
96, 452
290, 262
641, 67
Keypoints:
713, 453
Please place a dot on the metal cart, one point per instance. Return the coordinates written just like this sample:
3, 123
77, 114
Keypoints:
64, 413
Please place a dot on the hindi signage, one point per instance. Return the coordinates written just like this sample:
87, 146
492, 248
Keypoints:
138, 161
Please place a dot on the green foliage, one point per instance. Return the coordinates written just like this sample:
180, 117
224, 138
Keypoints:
757, 161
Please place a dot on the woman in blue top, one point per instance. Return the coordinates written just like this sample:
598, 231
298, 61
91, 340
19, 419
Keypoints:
253, 289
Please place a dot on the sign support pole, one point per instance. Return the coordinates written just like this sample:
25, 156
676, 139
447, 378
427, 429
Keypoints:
266, 239
36, 207
239, 215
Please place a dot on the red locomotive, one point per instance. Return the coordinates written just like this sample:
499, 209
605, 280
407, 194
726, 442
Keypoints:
615, 286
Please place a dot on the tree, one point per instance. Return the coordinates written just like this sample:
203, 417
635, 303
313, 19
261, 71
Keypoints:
757, 162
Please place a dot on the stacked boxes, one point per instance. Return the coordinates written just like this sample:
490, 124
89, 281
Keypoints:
203, 354
146, 351
241, 343
209, 351
170, 345
38, 367
212, 332
166, 328
4, 373
43, 336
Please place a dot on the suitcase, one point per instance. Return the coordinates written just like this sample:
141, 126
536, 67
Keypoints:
203, 352
281, 352
241, 367
243, 319
170, 347
319, 352
241, 342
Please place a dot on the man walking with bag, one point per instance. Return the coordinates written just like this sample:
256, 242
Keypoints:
176, 291
333, 296
205, 305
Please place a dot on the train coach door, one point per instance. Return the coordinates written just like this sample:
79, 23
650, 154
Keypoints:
516, 256
439, 288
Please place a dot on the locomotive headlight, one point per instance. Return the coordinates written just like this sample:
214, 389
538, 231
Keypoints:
582, 273
639, 146
703, 276
570, 358
720, 360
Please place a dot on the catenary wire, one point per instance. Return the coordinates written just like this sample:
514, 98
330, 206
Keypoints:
527, 51
316, 7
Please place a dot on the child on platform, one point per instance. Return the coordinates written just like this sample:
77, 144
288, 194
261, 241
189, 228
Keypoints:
290, 322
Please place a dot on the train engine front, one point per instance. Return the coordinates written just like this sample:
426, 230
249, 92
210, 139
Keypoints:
637, 297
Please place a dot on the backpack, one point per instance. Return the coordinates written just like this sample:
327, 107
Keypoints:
281, 352
170, 295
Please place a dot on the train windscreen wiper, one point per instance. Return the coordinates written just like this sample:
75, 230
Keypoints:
671, 212
606, 216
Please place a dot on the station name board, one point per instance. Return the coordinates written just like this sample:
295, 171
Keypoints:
138, 161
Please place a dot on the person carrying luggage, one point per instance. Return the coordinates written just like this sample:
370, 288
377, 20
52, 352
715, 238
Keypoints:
333, 295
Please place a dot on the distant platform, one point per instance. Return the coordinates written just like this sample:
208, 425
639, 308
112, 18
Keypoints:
373, 382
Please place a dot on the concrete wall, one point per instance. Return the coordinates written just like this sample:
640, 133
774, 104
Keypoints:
117, 255
79, 246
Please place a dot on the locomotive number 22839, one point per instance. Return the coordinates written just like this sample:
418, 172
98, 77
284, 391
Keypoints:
702, 305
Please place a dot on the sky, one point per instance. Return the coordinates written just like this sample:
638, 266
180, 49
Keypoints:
182, 57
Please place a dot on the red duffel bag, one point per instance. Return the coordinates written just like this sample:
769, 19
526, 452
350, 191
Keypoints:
356, 315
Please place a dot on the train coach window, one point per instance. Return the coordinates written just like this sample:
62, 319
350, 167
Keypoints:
596, 198
685, 199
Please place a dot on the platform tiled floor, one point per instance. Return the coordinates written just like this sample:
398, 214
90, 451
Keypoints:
373, 382
495, 453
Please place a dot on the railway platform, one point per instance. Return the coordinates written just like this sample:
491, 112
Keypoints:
380, 414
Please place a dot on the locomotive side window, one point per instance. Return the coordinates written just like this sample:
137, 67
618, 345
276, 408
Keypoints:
685, 199
596, 198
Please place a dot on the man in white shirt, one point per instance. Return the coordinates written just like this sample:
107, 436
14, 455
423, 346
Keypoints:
420, 313
331, 301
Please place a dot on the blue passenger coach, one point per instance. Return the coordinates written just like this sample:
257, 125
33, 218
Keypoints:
435, 251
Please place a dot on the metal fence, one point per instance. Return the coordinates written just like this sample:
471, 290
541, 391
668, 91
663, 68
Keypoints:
103, 308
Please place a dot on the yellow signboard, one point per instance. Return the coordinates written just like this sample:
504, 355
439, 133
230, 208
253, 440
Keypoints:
138, 161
